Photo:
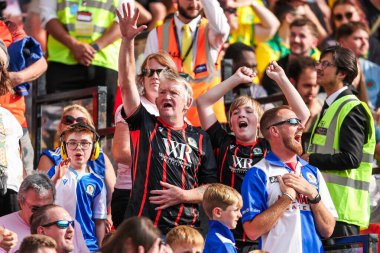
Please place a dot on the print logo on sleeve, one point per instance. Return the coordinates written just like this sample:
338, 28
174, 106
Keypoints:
311, 178
90, 189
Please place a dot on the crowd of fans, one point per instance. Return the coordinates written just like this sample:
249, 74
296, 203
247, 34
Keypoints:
199, 164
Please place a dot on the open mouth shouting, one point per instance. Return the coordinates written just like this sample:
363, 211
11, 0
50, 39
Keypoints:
242, 124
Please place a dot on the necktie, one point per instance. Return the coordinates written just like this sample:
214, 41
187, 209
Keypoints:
186, 44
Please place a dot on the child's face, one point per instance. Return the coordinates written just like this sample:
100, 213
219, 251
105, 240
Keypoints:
186, 248
78, 147
244, 123
230, 216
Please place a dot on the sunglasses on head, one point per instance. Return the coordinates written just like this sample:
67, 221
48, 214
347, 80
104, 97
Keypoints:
291, 121
339, 17
150, 72
62, 224
230, 10
69, 120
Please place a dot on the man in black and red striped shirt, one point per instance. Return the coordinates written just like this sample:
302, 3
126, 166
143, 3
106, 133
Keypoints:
172, 161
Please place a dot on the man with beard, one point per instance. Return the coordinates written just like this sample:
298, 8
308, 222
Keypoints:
303, 39
343, 141
194, 44
282, 192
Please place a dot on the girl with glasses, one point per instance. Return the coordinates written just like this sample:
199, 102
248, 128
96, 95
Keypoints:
102, 166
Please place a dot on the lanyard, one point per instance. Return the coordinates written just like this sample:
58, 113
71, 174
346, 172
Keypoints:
192, 40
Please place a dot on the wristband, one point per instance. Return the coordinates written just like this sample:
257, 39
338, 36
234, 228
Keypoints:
95, 46
316, 200
289, 196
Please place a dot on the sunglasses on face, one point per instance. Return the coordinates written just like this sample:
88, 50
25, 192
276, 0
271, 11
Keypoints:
339, 16
150, 72
230, 10
291, 121
62, 224
69, 120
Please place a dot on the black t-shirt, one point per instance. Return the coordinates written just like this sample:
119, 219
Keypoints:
234, 159
181, 157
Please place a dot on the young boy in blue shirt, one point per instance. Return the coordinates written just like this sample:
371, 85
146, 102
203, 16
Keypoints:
222, 205
79, 190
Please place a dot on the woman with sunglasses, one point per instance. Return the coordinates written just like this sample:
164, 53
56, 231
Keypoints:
102, 165
343, 12
147, 82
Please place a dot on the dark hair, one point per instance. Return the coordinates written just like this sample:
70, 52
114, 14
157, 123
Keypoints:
300, 22
32, 243
269, 117
283, 7
345, 61
39, 217
235, 50
298, 65
141, 231
348, 29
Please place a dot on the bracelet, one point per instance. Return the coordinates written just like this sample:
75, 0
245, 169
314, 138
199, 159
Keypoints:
289, 196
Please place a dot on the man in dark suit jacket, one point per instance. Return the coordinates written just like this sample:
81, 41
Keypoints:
342, 143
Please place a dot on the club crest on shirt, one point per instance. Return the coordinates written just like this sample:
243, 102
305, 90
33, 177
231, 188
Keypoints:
90, 189
192, 142
257, 151
311, 178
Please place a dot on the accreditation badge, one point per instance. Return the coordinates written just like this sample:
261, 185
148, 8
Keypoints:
84, 27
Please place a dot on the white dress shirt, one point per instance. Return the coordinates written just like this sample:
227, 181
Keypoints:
218, 32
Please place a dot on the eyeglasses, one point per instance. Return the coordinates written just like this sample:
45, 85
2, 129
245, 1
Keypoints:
230, 10
62, 224
339, 16
72, 145
324, 64
69, 120
150, 72
291, 121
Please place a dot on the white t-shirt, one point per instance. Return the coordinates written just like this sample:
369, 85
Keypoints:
13, 132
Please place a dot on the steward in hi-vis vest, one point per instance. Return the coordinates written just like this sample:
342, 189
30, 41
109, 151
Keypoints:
350, 184
342, 143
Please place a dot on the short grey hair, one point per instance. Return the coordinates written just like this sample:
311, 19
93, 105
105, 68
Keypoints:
40, 183
170, 75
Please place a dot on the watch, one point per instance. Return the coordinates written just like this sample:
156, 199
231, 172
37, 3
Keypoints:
316, 200
95, 46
